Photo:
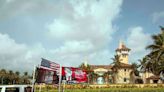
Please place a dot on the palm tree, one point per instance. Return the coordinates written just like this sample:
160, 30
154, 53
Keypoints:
157, 48
116, 66
93, 76
106, 76
2, 75
116, 63
11, 77
134, 74
17, 77
25, 78
156, 55
135, 67
143, 64
86, 68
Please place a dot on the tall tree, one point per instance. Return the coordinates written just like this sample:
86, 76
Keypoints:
156, 64
25, 78
116, 63
135, 67
86, 68
17, 77
93, 77
11, 77
116, 66
145, 64
3, 75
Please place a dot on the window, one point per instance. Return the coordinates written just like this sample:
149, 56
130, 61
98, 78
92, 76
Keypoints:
13, 89
124, 79
125, 70
155, 81
124, 55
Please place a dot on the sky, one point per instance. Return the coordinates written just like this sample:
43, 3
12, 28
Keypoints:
70, 32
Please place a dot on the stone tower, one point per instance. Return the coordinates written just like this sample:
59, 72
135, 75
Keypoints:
123, 52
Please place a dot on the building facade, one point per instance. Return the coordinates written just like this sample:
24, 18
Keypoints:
149, 77
106, 73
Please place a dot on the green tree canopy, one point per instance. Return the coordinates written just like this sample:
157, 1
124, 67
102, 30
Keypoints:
154, 61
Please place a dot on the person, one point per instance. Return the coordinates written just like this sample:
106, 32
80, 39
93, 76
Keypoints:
49, 77
68, 74
28, 89
55, 79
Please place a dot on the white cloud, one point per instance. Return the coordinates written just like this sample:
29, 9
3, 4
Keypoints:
158, 16
72, 47
88, 21
17, 56
102, 57
83, 28
138, 40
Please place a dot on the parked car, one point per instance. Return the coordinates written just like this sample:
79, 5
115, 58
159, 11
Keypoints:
15, 88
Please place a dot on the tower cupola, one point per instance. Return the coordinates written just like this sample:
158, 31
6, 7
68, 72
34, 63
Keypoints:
123, 52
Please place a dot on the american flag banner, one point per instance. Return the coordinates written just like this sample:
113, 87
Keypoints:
51, 65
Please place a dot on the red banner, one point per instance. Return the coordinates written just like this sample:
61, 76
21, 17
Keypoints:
74, 74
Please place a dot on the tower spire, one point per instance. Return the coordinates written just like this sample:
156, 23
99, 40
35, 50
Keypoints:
85, 61
120, 44
123, 52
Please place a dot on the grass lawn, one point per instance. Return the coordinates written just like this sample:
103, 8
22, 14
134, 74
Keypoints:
106, 90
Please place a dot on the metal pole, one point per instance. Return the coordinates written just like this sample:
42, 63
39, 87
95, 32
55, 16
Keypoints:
33, 79
60, 70
64, 86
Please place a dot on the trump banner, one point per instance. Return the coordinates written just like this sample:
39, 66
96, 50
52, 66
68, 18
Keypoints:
80, 75
74, 74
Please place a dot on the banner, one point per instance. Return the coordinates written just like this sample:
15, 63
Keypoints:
74, 74
50, 65
49, 72
46, 76
80, 76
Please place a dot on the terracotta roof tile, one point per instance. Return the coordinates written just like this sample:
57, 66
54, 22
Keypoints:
123, 47
123, 65
101, 66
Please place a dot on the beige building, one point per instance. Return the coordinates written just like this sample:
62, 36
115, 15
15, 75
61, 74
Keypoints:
149, 77
124, 72
106, 73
